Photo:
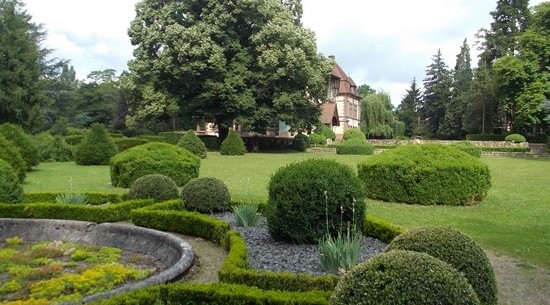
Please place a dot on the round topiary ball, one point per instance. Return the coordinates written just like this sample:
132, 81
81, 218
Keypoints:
154, 158
10, 190
355, 146
515, 138
193, 143
24, 142
300, 142
425, 174
154, 186
233, 145
302, 195
206, 195
96, 148
11, 154
456, 249
403, 278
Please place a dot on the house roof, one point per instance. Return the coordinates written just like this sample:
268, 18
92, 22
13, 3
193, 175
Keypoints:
329, 114
346, 82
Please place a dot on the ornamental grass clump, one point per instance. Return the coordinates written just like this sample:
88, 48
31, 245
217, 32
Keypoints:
340, 253
246, 215
427, 174
72, 198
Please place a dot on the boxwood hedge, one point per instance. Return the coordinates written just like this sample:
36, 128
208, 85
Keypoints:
403, 278
456, 249
425, 174
154, 158
355, 146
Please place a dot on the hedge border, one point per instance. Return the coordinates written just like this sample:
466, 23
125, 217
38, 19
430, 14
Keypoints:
93, 198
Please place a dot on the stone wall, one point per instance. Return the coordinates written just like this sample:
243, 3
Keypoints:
447, 142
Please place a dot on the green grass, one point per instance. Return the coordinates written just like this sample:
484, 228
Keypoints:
514, 219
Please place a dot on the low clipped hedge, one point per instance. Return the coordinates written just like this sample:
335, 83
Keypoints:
381, 229
211, 142
154, 158
403, 278
425, 174
93, 198
123, 144
217, 293
485, 137
456, 249
99, 214
300, 142
355, 146
469, 148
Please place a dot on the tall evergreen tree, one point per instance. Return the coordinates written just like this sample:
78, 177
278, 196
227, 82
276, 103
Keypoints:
21, 65
437, 94
481, 110
510, 19
407, 111
462, 82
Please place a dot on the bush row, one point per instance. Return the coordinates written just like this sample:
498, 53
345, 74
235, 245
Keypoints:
271, 144
215, 294
506, 149
93, 198
99, 214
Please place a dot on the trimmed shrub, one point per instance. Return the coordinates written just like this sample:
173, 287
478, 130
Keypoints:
123, 144
154, 158
469, 148
403, 278
154, 186
355, 146
97, 148
353, 133
24, 142
456, 249
192, 143
485, 137
327, 132
300, 142
425, 174
381, 229
515, 138
302, 195
206, 195
53, 149
317, 139
10, 190
233, 145
171, 137
10, 153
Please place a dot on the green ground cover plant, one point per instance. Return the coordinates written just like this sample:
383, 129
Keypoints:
55, 271
512, 220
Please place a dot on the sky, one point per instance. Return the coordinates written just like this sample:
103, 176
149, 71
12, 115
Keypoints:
384, 44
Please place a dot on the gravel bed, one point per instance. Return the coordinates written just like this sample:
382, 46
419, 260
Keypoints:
266, 254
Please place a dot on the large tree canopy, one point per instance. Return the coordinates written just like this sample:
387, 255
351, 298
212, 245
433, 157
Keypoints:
246, 61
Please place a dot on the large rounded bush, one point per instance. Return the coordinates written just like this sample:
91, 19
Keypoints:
456, 249
353, 133
469, 148
24, 142
154, 158
205, 195
327, 132
192, 143
515, 138
154, 186
403, 278
302, 195
10, 190
355, 146
10, 153
97, 148
425, 174
233, 145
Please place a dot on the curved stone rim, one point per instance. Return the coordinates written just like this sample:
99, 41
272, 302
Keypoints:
175, 253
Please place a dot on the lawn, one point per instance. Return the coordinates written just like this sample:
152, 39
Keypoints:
513, 219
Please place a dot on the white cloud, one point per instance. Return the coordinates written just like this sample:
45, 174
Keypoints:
101, 48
